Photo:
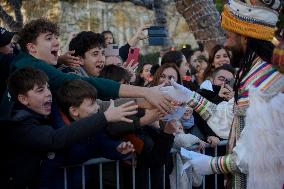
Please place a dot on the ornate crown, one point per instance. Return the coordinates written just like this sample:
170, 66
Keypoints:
251, 18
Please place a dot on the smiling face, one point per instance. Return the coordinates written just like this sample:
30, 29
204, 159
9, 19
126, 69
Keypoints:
38, 99
145, 74
167, 75
108, 38
221, 57
45, 47
94, 61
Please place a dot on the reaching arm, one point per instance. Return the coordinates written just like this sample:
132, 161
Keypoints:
153, 95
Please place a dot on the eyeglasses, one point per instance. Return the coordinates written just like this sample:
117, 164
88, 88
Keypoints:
169, 77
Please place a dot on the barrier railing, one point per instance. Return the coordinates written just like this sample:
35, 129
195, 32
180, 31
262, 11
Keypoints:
101, 161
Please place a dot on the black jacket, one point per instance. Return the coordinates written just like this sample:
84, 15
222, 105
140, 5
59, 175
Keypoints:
28, 137
5, 61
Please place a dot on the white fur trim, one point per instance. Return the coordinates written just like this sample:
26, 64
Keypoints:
260, 149
220, 122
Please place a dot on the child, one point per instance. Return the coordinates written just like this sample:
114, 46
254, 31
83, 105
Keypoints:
40, 45
77, 99
29, 135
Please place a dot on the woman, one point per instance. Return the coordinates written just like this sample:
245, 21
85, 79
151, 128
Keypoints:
218, 56
164, 74
143, 78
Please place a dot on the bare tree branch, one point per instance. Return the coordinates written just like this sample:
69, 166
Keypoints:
14, 25
16, 5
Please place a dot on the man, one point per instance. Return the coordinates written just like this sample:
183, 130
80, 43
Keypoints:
250, 28
40, 46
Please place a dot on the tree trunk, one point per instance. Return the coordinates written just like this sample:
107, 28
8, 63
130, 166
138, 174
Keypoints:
203, 20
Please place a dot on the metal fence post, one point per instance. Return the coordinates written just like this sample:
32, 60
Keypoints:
117, 174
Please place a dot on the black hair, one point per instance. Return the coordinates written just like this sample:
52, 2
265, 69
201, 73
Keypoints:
187, 52
73, 93
33, 29
25, 79
174, 57
115, 73
226, 67
85, 41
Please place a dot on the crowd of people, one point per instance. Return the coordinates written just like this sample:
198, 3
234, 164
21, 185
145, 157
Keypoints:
93, 101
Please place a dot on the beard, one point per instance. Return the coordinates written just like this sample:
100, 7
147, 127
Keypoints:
237, 56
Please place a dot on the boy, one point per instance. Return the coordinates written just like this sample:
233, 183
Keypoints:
28, 136
77, 99
89, 47
40, 46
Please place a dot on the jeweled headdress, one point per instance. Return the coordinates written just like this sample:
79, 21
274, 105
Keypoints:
256, 19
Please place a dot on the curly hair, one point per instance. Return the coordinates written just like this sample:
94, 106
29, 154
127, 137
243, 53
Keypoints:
85, 41
33, 29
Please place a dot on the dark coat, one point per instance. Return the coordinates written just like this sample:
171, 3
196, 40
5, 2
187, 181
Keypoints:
28, 137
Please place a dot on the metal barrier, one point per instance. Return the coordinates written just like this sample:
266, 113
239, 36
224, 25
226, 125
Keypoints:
101, 161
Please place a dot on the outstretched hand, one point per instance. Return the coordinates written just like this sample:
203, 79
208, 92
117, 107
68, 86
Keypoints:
199, 162
139, 35
155, 97
69, 60
178, 92
116, 114
125, 148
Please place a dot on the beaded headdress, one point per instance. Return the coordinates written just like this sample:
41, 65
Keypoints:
252, 18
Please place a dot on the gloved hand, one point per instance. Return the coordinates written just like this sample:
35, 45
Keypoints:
199, 162
178, 92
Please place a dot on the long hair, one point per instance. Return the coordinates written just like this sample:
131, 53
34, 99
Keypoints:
255, 48
210, 68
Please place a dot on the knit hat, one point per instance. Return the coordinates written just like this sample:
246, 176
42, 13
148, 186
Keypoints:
252, 18
5, 37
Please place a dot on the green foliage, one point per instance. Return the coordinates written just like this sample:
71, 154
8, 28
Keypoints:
219, 5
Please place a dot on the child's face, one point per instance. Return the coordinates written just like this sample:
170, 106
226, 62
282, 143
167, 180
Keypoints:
38, 99
45, 47
108, 38
87, 108
94, 61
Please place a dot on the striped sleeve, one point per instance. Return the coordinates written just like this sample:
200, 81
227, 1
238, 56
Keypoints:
224, 164
202, 106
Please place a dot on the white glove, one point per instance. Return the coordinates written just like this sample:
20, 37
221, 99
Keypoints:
199, 162
178, 92
175, 114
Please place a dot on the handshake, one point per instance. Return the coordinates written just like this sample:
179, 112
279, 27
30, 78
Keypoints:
178, 92
181, 95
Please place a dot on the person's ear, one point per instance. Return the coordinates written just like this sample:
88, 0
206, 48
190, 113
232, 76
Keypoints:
23, 99
31, 47
74, 112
